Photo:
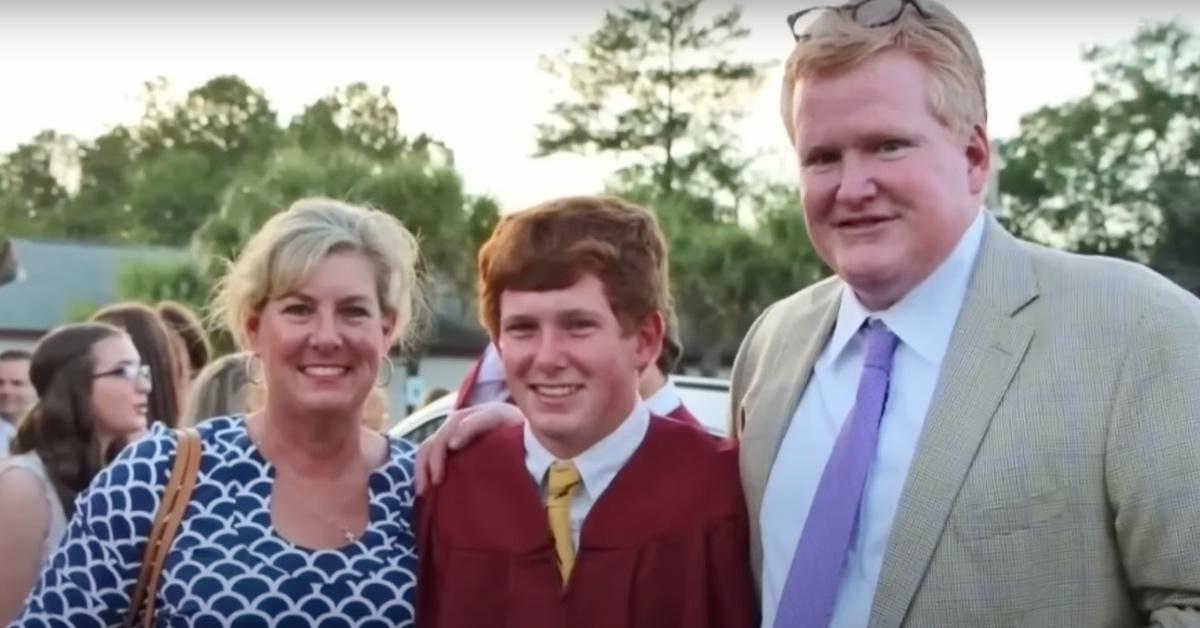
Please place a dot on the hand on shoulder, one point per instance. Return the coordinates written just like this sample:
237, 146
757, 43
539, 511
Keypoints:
461, 428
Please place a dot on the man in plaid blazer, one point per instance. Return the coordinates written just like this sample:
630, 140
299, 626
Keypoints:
960, 428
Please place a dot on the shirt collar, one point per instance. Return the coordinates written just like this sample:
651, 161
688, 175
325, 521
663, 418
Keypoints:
924, 318
601, 462
665, 400
490, 384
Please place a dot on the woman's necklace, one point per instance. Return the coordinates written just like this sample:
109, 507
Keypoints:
322, 514
303, 499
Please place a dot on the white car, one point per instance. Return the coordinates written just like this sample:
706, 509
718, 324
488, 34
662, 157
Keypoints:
706, 398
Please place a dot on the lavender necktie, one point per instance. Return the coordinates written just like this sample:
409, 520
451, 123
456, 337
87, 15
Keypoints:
815, 576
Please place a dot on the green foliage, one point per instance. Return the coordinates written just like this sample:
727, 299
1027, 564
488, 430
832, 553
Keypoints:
205, 171
30, 192
725, 273
427, 196
654, 86
1115, 172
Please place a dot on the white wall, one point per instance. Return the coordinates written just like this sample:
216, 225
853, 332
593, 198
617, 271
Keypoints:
435, 372
444, 372
8, 342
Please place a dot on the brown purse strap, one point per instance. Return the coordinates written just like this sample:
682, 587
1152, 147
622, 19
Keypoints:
166, 523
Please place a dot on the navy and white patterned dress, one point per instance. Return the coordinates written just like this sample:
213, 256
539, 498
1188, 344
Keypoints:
228, 566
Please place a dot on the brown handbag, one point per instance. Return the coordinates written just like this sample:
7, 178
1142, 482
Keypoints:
166, 524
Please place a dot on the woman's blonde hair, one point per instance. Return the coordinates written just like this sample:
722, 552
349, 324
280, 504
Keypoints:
282, 253
835, 44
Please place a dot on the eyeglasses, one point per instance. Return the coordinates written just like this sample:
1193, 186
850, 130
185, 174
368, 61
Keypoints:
866, 13
127, 371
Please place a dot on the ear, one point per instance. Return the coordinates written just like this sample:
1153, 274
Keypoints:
649, 338
391, 328
979, 159
252, 327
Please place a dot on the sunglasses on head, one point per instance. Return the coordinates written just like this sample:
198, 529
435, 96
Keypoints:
866, 13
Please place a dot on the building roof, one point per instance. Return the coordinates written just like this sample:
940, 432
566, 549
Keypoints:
56, 278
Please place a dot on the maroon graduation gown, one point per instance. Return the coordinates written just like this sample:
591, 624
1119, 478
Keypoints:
666, 546
681, 414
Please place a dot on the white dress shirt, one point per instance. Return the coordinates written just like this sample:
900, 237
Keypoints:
924, 321
597, 466
7, 432
490, 383
665, 401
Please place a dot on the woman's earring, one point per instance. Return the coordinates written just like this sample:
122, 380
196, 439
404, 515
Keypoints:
391, 371
250, 369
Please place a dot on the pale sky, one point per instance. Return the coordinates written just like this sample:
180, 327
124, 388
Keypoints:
465, 72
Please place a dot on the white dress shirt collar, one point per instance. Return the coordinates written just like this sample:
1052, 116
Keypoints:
921, 319
600, 463
490, 384
665, 401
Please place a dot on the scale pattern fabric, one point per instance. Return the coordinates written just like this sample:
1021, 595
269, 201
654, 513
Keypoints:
228, 566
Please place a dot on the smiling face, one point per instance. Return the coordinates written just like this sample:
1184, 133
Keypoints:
321, 344
120, 388
570, 367
887, 189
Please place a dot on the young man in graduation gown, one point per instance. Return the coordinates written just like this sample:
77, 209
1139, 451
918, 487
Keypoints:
591, 513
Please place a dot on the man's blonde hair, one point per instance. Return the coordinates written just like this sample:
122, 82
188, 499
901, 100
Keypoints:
836, 44
282, 253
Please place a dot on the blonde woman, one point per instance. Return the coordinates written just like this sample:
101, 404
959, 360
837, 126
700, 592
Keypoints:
300, 515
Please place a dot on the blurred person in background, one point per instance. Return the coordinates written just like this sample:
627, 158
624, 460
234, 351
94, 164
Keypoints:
375, 410
16, 393
187, 338
433, 395
153, 341
317, 298
221, 388
655, 385
92, 389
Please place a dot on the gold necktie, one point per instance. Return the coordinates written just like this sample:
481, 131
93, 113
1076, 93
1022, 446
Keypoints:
563, 484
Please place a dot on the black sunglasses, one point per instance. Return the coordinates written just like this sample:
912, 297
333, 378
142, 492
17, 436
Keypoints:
128, 371
866, 13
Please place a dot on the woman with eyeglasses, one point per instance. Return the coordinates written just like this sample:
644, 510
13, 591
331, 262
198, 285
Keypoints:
92, 396
152, 338
300, 515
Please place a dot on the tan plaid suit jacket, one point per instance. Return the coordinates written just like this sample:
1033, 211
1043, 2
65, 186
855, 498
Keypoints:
1057, 479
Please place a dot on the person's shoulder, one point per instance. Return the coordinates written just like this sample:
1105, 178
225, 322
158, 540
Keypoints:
156, 446
400, 449
27, 505
700, 470
20, 484
802, 300
779, 321
1069, 272
693, 446
1104, 287
401, 459
488, 453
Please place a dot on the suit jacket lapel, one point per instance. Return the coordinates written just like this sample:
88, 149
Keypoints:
784, 370
987, 345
